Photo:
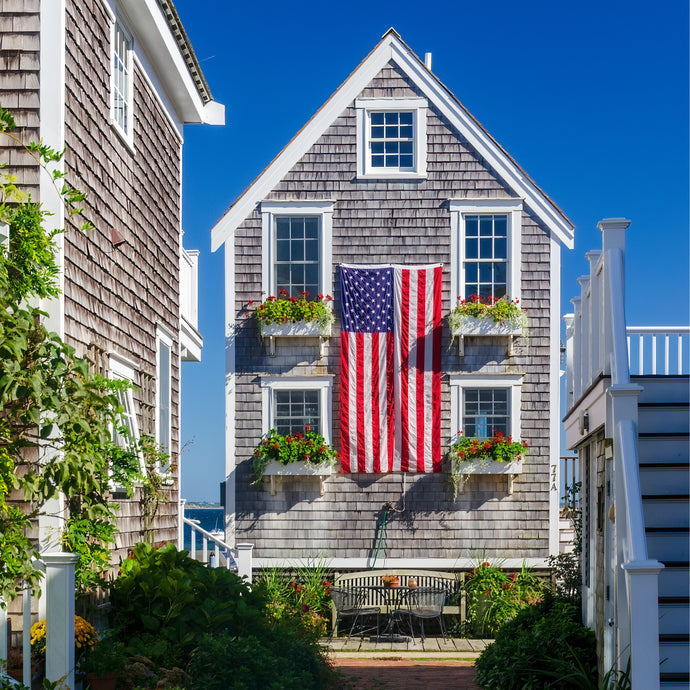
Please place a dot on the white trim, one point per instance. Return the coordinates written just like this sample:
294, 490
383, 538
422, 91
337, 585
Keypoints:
121, 367
52, 133
459, 382
392, 48
554, 398
364, 563
230, 386
126, 134
321, 208
461, 207
324, 384
364, 107
163, 336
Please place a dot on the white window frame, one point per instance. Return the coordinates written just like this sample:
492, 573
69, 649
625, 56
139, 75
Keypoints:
485, 207
458, 384
324, 384
120, 367
163, 337
269, 211
126, 133
363, 108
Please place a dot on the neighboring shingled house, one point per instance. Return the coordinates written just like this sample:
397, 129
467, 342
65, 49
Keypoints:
393, 171
113, 82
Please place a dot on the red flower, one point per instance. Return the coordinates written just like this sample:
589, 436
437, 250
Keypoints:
320, 295
513, 576
270, 299
305, 608
329, 298
486, 564
307, 428
283, 291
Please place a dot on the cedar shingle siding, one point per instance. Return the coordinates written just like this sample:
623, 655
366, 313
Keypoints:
407, 223
114, 297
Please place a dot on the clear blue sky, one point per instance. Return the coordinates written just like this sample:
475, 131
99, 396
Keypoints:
591, 98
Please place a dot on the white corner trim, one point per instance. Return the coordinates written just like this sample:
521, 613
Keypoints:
390, 47
554, 397
230, 388
319, 207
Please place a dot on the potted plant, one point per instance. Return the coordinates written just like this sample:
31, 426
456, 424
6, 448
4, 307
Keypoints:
390, 580
103, 664
497, 455
295, 316
277, 452
487, 316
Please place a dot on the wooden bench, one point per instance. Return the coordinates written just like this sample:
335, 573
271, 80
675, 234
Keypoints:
450, 582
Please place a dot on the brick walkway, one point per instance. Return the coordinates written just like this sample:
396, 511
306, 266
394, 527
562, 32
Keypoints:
405, 674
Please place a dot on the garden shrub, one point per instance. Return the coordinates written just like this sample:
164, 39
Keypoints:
544, 646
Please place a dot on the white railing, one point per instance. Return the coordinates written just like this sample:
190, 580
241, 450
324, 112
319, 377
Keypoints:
598, 343
658, 350
222, 554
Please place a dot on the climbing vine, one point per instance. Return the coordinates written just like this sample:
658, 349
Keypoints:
56, 417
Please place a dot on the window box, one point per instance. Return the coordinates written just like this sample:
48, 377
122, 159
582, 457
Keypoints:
464, 470
298, 329
486, 326
297, 469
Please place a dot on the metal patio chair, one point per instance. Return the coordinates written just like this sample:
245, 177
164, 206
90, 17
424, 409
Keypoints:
424, 603
351, 603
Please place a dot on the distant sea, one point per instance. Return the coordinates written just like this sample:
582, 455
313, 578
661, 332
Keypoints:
209, 519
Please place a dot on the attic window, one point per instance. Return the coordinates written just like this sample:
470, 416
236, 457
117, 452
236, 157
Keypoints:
391, 137
121, 91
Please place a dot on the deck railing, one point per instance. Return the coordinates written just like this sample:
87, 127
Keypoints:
598, 343
221, 555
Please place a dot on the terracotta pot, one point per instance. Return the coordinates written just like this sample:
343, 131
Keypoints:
107, 682
412, 582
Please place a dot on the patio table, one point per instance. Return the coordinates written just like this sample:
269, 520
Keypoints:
392, 598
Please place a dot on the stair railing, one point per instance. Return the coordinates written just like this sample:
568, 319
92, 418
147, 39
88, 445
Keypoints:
645, 352
220, 555
636, 579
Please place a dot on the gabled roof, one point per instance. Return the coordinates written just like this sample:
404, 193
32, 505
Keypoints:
392, 47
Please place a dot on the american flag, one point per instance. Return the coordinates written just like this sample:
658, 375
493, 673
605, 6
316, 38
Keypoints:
390, 369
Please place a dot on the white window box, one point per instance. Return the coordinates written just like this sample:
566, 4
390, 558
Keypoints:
471, 325
469, 467
297, 469
299, 329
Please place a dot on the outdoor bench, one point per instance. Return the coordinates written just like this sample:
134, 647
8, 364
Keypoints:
450, 582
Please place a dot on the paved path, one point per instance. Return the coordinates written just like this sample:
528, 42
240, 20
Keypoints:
405, 674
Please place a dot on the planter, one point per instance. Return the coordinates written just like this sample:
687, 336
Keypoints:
299, 329
297, 469
107, 682
485, 327
467, 468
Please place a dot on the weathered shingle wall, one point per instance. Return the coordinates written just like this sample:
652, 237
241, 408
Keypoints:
114, 297
19, 86
409, 223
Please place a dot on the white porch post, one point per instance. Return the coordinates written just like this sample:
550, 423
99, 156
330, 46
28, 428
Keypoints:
643, 587
3, 635
244, 561
60, 616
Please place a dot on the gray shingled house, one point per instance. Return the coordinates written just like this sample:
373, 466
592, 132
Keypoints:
392, 171
113, 82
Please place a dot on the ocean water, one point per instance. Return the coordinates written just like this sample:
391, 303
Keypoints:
209, 519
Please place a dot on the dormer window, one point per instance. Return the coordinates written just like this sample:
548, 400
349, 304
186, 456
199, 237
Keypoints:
391, 137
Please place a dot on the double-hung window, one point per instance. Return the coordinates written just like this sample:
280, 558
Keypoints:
485, 248
296, 239
121, 90
481, 406
391, 137
126, 433
292, 403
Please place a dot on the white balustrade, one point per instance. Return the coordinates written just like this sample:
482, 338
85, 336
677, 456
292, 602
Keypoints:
242, 554
670, 359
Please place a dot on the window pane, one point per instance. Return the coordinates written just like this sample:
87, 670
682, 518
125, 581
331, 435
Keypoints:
471, 226
377, 161
486, 248
406, 118
406, 161
377, 118
499, 273
283, 277
377, 147
283, 250
297, 249
501, 226
311, 227
377, 132
391, 118
471, 248
391, 132
486, 226
500, 247
311, 250
471, 272
406, 132
297, 227
282, 228
485, 272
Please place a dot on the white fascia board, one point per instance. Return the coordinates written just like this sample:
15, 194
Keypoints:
392, 48
153, 36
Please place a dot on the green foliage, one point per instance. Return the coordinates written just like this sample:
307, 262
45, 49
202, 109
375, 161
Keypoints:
278, 660
566, 566
286, 309
168, 609
307, 447
499, 310
56, 420
495, 597
543, 646
153, 483
107, 656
